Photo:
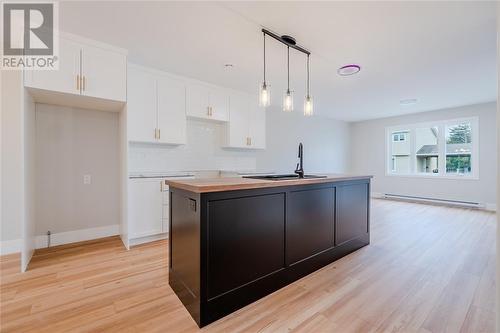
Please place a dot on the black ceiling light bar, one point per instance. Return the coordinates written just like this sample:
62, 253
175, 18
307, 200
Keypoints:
287, 40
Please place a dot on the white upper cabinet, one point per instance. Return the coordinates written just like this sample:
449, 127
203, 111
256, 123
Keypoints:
171, 111
67, 78
219, 104
84, 70
156, 107
257, 124
207, 102
104, 74
141, 105
247, 123
237, 130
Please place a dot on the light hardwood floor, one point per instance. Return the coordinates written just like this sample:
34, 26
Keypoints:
428, 269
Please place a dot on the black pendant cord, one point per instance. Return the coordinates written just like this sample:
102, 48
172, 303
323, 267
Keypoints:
308, 75
264, 57
288, 68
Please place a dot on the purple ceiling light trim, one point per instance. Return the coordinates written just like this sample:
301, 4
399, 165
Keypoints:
349, 70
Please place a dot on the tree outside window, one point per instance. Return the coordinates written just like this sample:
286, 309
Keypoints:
458, 148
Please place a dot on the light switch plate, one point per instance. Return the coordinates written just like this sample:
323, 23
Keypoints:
87, 179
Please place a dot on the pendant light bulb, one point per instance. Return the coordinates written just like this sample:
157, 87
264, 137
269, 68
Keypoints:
288, 101
264, 95
308, 106
288, 97
308, 102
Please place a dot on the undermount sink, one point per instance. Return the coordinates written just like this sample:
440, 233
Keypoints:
283, 177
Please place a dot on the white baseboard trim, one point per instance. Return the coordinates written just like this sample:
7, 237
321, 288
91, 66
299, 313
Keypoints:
491, 207
77, 235
486, 206
147, 239
11, 246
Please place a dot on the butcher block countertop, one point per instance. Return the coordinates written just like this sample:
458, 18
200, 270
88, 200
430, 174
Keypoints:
204, 185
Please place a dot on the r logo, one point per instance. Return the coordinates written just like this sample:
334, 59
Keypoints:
28, 29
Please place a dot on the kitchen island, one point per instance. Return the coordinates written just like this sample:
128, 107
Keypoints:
235, 240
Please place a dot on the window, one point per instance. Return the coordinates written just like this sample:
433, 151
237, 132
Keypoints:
427, 149
400, 149
396, 137
458, 148
437, 149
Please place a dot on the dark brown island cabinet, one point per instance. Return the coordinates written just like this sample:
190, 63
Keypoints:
234, 240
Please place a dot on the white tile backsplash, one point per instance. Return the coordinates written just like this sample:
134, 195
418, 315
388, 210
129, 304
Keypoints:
202, 152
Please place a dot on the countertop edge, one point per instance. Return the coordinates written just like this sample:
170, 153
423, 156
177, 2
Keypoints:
256, 184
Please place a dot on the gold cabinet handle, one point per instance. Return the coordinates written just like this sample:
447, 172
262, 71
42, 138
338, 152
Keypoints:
83, 85
159, 133
208, 111
78, 82
156, 133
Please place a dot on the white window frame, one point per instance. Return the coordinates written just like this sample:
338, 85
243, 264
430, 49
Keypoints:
441, 125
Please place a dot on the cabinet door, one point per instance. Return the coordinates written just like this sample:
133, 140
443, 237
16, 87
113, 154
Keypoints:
141, 106
104, 73
65, 78
352, 212
237, 133
246, 240
310, 223
197, 101
171, 111
145, 207
219, 103
257, 123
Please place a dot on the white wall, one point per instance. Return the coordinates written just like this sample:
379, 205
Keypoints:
326, 143
498, 179
29, 225
368, 157
71, 143
12, 161
325, 148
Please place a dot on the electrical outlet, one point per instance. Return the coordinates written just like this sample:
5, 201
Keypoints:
87, 179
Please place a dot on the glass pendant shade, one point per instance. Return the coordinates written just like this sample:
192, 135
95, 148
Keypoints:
264, 95
288, 101
308, 106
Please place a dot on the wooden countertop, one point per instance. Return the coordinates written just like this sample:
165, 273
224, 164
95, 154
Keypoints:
204, 185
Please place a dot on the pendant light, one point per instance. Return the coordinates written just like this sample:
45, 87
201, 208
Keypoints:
288, 97
264, 92
308, 102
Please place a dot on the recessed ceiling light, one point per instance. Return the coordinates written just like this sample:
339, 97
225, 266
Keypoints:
350, 69
408, 101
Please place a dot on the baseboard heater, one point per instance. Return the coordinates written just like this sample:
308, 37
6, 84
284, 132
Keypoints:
467, 204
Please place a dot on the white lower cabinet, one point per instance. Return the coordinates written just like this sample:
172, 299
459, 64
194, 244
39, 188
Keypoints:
145, 207
148, 208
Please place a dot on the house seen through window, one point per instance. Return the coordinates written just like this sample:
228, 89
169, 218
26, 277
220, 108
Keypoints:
442, 148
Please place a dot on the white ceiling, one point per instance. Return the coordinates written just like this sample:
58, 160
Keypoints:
442, 53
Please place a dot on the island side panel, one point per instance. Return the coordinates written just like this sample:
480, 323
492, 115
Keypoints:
184, 249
